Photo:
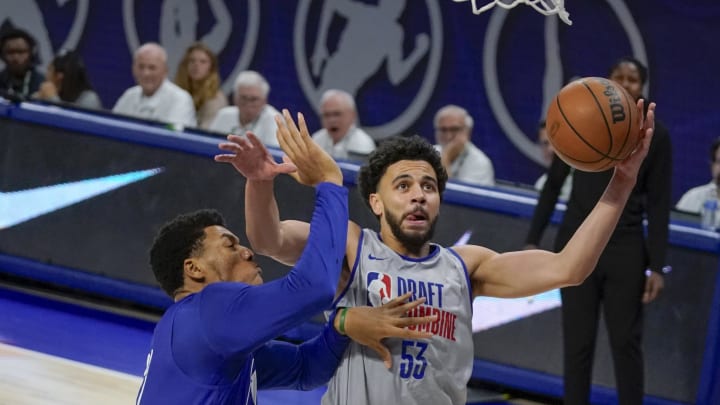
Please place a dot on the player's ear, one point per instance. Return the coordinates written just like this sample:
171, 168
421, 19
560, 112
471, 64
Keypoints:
193, 270
375, 204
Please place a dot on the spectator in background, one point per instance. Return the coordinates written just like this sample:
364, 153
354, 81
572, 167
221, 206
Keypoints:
18, 50
631, 267
548, 153
154, 97
198, 75
461, 159
251, 111
693, 199
67, 81
339, 136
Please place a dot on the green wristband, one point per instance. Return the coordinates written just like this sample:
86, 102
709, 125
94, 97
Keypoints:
342, 321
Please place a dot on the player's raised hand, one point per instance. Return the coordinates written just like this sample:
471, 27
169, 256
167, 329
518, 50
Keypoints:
250, 157
631, 165
369, 325
313, 164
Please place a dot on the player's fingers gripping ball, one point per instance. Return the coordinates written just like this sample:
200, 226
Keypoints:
593, 124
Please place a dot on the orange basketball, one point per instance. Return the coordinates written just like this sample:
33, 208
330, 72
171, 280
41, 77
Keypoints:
593, 124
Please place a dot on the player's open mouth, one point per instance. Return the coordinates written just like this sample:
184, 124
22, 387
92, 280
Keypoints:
416, 218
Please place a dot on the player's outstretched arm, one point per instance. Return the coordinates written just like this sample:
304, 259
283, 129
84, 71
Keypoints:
268, 235
517, 274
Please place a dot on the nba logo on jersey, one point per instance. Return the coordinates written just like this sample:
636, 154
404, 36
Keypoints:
379, 286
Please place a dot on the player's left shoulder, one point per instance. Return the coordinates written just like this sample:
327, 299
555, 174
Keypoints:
474, 255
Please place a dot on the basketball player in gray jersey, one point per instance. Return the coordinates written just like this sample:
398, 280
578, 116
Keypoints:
402, 184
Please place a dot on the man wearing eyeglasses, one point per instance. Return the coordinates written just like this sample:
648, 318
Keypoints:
251, 111
462, 160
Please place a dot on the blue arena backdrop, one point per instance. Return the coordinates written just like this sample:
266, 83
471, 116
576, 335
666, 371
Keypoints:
83, 194
502, 66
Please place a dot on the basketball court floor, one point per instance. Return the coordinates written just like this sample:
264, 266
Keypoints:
57, 350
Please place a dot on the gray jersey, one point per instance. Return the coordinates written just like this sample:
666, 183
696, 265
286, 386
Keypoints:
430, 371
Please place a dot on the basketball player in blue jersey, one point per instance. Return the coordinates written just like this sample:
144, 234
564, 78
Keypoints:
402, 184
213, 345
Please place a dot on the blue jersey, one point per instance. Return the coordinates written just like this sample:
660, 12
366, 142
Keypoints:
216, 347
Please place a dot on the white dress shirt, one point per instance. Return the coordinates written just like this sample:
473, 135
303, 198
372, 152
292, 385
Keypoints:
228, 121
471, 166
693, 199
170, 104
356, 141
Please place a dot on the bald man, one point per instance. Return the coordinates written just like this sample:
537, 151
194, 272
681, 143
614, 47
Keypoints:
154, 97
340, 137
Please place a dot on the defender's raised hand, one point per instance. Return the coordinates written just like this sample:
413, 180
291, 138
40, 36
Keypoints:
313, 164
250, 157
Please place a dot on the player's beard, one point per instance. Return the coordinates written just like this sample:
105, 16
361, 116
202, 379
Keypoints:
412, 242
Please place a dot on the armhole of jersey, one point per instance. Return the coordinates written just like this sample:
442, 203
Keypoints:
354, 268
467, 276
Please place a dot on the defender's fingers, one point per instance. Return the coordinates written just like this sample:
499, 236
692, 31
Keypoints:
288, 167
224, 158
238, 139
230, 147
413, 334
304, 132
398, 301
284, 138
254, 141
290, 122
404, 308
292, 148
384, 353
420, 320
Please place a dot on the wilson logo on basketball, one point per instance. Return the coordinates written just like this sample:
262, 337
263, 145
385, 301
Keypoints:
616, 107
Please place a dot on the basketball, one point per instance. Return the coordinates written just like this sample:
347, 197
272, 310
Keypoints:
593, 124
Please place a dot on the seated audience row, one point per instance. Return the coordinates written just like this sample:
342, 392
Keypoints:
195, 99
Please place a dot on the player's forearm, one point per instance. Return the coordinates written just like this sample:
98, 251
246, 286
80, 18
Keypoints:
325, 248
303, 367
262, 217
321, 356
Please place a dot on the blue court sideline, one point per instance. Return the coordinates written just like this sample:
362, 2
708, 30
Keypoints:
106, 339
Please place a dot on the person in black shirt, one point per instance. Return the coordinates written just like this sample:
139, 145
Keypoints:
19, 79
630, 270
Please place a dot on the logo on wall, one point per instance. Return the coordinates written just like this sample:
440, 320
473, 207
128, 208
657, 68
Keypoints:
176, 24
387, 55
30, 17
553, 76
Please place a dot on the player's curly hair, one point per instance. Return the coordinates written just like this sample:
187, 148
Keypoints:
394, 150
178, 240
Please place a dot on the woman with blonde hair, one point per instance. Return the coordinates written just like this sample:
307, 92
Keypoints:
198, 75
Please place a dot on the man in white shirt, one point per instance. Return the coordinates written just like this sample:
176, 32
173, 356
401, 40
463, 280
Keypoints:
340, 137
154, 97
462, 160
251, 111
693, 199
